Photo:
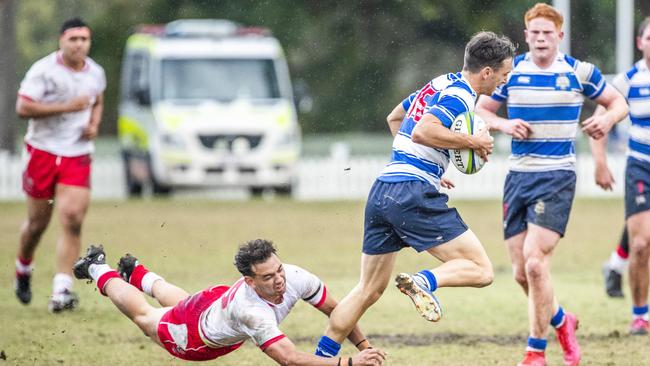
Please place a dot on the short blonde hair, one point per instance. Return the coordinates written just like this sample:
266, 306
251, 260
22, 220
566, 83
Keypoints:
541, 10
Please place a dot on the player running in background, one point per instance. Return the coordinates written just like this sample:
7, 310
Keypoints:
405, 207
217, 320
545, 93
62, 95
635, 87
615, 266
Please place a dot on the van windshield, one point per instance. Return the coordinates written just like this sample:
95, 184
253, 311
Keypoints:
223, 80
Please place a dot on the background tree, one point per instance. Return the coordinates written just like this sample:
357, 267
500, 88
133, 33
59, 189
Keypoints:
7, 75
359, 58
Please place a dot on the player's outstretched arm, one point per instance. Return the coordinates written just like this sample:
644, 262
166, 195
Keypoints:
395, 118
27, 108
429, 131
284, 352
487, 108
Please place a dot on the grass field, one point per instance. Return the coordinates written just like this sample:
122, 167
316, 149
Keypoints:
192, 243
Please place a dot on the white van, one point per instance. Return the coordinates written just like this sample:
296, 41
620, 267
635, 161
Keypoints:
207, 103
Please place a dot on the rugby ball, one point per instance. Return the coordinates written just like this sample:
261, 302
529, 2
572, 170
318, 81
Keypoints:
466, 160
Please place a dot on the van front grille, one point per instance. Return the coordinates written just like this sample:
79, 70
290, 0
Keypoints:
226, 141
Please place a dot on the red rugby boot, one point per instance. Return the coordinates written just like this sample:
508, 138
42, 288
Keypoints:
566, 336
639, 326
533, 358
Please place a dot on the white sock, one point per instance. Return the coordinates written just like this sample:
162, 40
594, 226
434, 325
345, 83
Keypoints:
617, 263
148, 281
61, 283
24, 269
97, 270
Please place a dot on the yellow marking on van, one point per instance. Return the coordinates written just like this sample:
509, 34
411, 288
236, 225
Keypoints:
131, 132
141, 41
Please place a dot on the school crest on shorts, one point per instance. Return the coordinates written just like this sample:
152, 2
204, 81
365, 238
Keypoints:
540, 207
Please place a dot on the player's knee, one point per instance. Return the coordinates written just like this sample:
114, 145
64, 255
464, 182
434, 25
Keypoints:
487, 275
520, 276
639, 246
72, 221
35, 228
534, 267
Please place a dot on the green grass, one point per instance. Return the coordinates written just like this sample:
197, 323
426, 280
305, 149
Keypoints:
192, 243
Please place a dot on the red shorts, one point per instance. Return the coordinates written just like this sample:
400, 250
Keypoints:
183, 321
44, 171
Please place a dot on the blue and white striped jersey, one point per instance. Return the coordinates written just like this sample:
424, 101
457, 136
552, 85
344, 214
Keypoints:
445, 97
635, 87
550, 100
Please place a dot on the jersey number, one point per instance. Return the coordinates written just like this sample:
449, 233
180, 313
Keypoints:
420, 103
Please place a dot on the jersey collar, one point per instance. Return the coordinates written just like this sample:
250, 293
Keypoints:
59, 60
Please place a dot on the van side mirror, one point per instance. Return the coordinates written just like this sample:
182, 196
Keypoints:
142, 96
301, 96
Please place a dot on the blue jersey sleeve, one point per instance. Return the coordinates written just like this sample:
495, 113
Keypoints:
406, 103
500, 93
449, 106
594, 83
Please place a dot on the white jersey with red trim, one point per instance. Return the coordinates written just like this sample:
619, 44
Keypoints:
241, 313
49, 80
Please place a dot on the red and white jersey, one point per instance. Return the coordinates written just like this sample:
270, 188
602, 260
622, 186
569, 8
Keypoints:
241, 313
49, 80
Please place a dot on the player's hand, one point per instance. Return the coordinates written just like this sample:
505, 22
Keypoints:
604, 177
78, 103
446, 183
483, 143
90, 132
598, 126
369, 357
517, 128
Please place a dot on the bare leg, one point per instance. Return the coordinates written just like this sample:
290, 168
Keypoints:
375, 274
639, 231
168, 294
39, 212
515, 246
465, 262
72, 204
538, 249
132, 303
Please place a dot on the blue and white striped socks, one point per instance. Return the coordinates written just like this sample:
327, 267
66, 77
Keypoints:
426, 279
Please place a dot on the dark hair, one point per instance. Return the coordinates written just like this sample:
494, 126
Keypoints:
644, 24
487, 49
72, 23
251, 253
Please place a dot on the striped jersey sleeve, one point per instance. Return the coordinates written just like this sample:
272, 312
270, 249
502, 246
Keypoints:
592, 80
406, 103
452, 102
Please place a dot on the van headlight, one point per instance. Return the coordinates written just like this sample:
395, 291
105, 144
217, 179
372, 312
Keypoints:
173, 141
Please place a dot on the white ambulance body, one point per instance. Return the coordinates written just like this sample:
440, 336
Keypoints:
206, 103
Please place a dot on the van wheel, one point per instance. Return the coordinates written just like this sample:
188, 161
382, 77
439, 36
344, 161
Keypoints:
157, 188
160, 189
284, 190
257, 191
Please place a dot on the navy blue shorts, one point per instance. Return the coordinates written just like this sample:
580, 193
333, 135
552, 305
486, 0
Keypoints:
637, 186
541, 198
408, 214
